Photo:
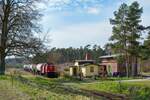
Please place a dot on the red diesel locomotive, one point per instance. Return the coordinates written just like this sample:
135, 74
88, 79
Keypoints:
49, 70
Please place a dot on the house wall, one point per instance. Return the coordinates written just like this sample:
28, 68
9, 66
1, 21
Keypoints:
113, 67
112, 63
71, 71
83, 69
86, 70
122, 68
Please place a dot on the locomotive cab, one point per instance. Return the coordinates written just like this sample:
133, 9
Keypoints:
51, 70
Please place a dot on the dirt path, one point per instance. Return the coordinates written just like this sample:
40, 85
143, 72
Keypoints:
108, 96
136, 80
131, 80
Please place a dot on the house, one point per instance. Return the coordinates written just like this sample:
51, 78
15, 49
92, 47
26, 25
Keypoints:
111, 66
62, 67
88, 68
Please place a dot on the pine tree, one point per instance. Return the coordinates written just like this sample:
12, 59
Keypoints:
119, 33
134, 34
126, 34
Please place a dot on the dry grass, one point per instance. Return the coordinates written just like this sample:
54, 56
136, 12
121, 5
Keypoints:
8, 92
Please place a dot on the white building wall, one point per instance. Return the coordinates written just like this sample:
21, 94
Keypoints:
71, 71
83, 69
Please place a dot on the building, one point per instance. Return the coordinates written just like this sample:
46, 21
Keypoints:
62, 67
112, 67
87, 68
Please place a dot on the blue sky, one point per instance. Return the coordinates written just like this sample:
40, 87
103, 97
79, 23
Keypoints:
74, 25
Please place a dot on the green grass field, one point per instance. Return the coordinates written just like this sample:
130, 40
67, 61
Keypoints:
25, 86
39, 88
134, 90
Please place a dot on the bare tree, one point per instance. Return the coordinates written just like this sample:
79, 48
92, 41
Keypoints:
18, 23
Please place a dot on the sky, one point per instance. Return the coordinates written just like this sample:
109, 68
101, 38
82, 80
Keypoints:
75, 24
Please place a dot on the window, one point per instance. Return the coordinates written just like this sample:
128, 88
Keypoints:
91, 69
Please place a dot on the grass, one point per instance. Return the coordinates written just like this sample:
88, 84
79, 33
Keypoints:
25, 86
39, 88
8, 91
135, 90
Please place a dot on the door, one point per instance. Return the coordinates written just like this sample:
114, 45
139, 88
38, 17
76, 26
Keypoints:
74, 71
103, 71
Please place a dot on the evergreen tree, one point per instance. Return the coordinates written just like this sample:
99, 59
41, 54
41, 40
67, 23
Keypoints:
126, 34
63, 55
134, 33
119, 33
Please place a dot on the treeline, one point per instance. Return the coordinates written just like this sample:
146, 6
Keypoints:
62, 55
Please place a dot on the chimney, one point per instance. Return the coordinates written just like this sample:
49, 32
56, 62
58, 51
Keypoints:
87, 56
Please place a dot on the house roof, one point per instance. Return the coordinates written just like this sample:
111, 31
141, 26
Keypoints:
83, 65
110, 56
84, 60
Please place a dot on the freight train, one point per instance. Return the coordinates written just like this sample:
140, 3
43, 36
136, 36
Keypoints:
45, 69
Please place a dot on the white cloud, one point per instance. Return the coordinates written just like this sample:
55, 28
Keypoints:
82, 34
57, 3
93, 10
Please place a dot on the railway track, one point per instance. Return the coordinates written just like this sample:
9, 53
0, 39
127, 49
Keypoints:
72, 89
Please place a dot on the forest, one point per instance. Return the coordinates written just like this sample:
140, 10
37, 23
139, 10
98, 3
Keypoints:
62, 55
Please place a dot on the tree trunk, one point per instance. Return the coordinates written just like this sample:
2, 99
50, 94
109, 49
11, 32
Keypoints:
127, 70
134, 67
126, 64
4, 38
2, 64
130, 65
2, 54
